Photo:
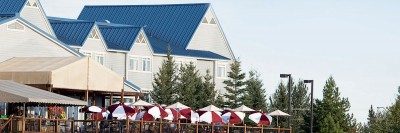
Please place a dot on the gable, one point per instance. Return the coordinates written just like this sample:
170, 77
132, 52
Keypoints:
141, 46
119, 37
34, 13
94, 42
72, 33
173, 23
29, 43
209, 36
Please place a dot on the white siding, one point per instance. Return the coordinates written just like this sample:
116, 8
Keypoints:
116, 62
219, 85
35, 15
142, 79
94, 45
203, 65
28, 43
210, 37
157, 63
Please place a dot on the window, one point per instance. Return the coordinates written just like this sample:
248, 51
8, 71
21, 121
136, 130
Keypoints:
16, 26
93, 35
146, 65
28, 4
212, 21
141, 38
221, 71
204, 20
133, 64
34, 4
99, 58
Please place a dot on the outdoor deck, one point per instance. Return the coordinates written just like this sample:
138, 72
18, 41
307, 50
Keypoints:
125, 126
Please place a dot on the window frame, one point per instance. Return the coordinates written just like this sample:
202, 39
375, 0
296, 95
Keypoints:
12, 29
217, 71
147, 59
134, 58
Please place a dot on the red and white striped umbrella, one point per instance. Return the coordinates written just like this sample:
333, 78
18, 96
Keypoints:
90, 109
189, 114
99, 115
120, 110
152, 113
233, 117
261, 118
172, 114
211, 116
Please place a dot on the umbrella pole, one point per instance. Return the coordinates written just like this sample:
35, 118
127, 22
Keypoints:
277, 121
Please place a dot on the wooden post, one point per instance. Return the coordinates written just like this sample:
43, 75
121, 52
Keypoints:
160, 125
245, 128
279, 129
122, 95
73, 124
262, 128
179, 126
228, 128
111, 99
40, 123
94, 99
212, 127
127, 124
56, 125
96, 126
87, 81
23, 120
197, 127
141, 124
290, 129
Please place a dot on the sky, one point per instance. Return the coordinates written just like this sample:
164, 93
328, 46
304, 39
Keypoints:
354, 41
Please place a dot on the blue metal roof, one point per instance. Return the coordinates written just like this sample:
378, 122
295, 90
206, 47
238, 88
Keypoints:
119, 37
175, 23
11, 6
4, 17
72, 32
137, 88
161, 47
58, 19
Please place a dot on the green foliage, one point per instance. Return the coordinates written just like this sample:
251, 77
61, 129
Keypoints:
393, 116
300, 104
165, 81
234, 84
280, 100
334, 105
329, 125
205, 94
255, 93
219, 101
189, 82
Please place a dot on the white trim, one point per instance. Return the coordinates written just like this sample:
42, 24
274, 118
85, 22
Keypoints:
15, 22
120, 51
137, 64
164, 55
225, 66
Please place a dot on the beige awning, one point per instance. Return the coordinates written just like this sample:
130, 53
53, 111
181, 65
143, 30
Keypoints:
12, 92
61, 72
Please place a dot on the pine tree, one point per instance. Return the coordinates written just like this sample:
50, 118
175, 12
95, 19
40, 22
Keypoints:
372, 121
219, 101
205, 94
279, 100
165, 81
329, 125
300, 104
189, 82
255, 93
234, 85
393, 116
334, 105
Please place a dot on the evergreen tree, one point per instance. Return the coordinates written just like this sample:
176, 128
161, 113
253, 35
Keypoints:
189, 82
300, 104
329, 125
234, 85
393, 116
279, 100
255, 97
372, 121
334, 105
165, 81
219, 101
205, 95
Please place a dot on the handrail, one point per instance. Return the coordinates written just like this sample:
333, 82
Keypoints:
6, 123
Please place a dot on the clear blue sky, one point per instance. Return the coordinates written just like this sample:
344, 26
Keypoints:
355, 41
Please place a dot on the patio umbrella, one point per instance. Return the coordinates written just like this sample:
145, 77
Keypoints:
157, 112
127, 104
141, 103
99, 115
90, 109
189, 114
210, 108
243, 108
211, 116
120, 110
261, 118
278, 113
178, 106
233, 117
172, 114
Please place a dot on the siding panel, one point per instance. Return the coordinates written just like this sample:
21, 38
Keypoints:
28, 43
35, 16
116, 62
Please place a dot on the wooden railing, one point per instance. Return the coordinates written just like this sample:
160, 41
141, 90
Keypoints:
135, 126
5, 124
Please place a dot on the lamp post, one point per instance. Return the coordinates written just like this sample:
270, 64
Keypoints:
290, 94
312, 103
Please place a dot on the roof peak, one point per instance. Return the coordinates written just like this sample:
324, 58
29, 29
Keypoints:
179, 4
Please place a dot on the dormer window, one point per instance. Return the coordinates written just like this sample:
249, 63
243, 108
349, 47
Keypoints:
93, 35
16, 26
141, 39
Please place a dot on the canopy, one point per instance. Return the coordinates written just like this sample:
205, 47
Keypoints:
243, 108
141, 103
278, 113
61, 72
177, 105
12, 92
210, 108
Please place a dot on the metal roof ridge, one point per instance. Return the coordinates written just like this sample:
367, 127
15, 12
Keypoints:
177, 4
